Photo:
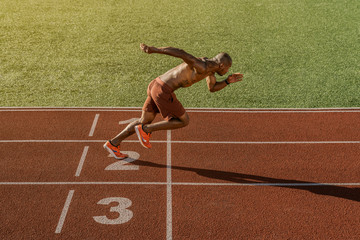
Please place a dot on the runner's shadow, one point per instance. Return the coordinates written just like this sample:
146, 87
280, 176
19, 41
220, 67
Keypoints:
352, 194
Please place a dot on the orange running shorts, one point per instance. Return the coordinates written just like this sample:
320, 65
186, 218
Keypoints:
162, 99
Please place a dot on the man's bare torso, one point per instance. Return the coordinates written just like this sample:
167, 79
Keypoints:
183, 76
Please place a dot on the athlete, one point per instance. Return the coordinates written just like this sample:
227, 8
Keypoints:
161, 98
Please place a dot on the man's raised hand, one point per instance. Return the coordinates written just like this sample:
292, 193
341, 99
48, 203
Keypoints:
235, 77
145, 48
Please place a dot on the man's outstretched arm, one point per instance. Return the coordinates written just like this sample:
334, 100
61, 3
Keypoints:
192, 61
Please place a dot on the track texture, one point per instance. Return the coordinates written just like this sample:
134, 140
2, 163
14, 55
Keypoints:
231, 174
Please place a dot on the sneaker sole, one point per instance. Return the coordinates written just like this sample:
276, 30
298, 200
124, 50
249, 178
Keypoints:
112, 153
139, 137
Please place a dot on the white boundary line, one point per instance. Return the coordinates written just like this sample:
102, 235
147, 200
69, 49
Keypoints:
64, 212
181, 184
195, 108
168, 188
199, 110
185, 142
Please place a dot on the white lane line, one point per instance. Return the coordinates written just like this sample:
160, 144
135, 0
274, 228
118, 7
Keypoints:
82, 183
179, 184
82, 160
274, 111
267, 184
64, 212
168, 188
274, 142
192, 142
92, 130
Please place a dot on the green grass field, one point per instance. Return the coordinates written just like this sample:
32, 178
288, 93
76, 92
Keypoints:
293, 53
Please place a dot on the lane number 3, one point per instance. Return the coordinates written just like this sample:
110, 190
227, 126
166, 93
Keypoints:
121, 208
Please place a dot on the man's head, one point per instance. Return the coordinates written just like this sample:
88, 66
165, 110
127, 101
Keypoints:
224, 61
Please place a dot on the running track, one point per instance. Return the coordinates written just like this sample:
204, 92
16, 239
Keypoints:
230, 174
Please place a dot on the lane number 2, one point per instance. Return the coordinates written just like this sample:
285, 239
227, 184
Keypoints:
123, 164
121, 208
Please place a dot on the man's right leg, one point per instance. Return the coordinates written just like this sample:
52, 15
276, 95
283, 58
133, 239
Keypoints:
146, 118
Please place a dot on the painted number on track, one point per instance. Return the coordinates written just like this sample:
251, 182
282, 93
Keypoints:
124, 164
121, 208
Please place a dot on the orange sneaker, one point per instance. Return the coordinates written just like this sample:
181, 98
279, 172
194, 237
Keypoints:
114, 151
144, 137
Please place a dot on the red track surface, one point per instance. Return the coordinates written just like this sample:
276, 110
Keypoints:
231, 174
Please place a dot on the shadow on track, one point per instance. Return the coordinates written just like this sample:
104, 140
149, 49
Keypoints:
352, 194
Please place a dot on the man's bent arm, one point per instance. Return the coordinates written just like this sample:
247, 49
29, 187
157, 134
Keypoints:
213, 85
192, 61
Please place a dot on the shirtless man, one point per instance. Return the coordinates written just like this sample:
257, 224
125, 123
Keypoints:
161, 98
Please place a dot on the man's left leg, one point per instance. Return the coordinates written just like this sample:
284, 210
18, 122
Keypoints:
144, 131
173, 123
